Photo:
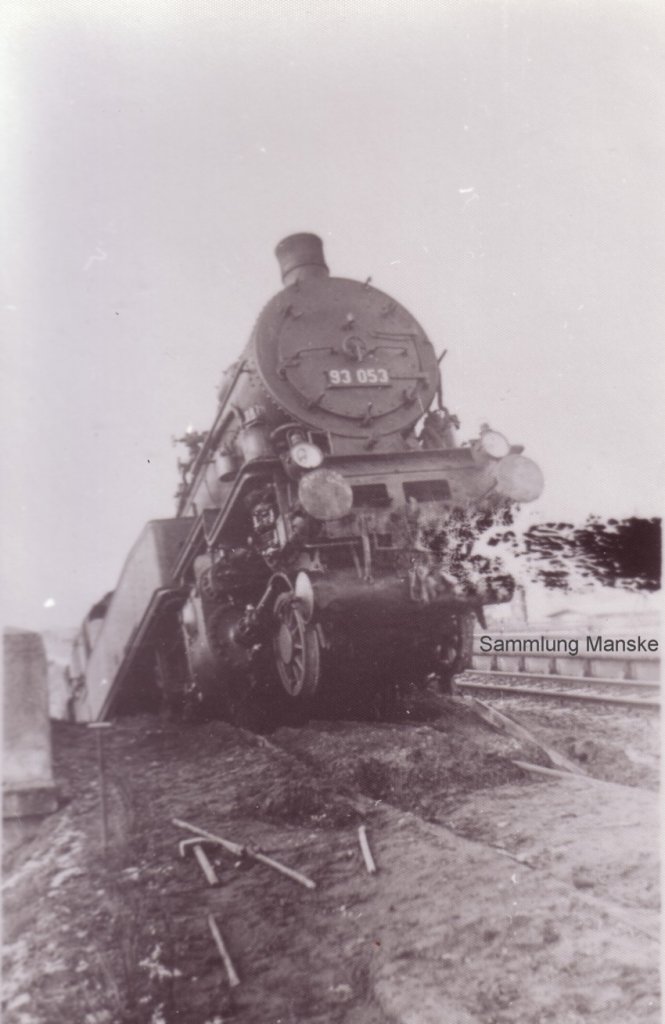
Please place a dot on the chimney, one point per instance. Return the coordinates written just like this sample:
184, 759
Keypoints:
301, 257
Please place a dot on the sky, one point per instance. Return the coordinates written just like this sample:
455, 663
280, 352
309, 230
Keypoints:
496, 167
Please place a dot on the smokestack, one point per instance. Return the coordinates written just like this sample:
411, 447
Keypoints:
301, 257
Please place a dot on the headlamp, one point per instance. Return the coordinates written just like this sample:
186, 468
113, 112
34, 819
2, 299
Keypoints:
494, 444
305, 455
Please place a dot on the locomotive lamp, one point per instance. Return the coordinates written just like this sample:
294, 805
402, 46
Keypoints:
298, 454
494, 443
305, 455
490, 445
517, 478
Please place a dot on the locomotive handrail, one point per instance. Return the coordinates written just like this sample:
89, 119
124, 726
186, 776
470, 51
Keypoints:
212, 439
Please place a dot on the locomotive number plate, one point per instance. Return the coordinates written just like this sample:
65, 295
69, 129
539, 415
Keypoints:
359, 377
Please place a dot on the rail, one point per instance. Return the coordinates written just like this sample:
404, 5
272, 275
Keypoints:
520, 690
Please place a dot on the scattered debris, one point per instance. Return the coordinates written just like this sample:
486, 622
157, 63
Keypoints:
234, 980
248, 851
197, 846
367, 853
538, 769
381, 949
503, 723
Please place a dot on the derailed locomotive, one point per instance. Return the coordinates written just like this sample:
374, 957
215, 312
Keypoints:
322, 555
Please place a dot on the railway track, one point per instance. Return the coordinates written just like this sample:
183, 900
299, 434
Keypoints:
574, 689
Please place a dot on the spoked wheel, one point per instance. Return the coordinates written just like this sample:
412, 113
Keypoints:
297, 650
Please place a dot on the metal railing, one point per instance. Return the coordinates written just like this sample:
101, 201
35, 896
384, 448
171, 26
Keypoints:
629, 666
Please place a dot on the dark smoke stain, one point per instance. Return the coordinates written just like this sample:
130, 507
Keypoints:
471, 545
453, 549
622, 553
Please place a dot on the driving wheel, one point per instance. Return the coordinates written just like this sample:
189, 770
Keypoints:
297, 649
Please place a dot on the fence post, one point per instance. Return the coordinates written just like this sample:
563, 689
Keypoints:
28, 786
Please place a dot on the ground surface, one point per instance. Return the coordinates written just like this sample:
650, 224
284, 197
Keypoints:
502, 897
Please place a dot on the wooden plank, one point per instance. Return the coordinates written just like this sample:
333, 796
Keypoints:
205, 865
231, 974
366, 852
502, 723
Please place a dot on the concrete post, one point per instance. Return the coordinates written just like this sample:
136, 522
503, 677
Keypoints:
27, 783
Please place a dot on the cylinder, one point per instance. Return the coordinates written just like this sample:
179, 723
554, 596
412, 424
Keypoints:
301, 257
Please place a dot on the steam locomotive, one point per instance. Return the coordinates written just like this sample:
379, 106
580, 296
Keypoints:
324, 553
